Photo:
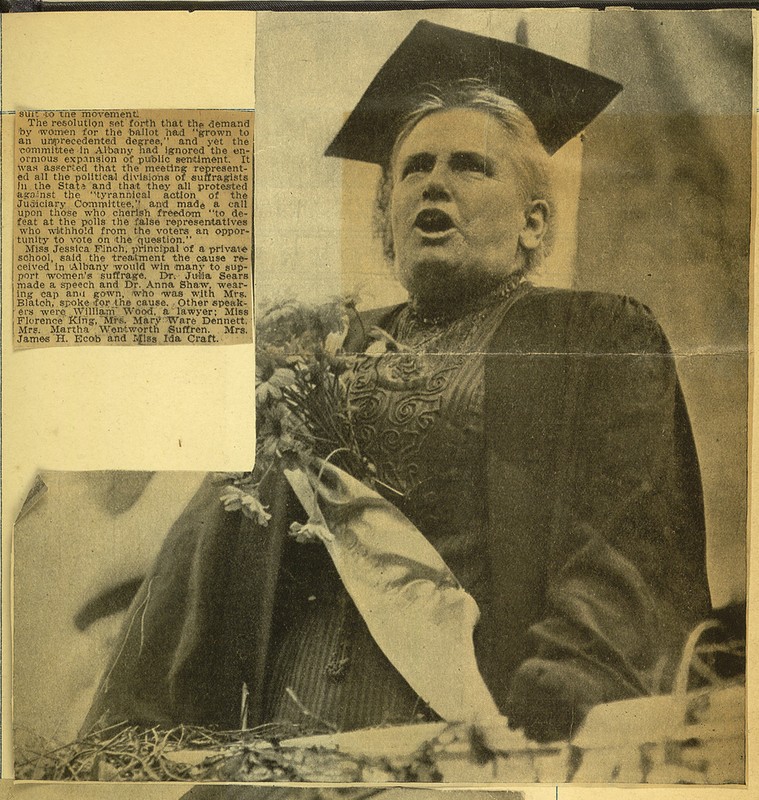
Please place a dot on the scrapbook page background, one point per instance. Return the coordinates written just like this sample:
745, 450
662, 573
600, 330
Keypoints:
662, 222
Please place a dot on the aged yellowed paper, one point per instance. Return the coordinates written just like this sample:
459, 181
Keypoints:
654, 202
106, 204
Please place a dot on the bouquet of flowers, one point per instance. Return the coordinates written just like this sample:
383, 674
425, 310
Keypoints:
302, 411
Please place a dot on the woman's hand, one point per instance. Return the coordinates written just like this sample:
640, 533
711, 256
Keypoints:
550, 699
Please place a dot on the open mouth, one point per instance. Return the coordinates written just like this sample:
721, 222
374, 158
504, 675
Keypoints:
433, 220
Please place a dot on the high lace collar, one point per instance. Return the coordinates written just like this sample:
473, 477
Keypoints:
459, 310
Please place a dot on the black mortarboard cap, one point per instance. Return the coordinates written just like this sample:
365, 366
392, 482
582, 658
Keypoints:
560, 99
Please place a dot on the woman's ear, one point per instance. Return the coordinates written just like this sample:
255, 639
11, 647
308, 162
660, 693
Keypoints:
535, 224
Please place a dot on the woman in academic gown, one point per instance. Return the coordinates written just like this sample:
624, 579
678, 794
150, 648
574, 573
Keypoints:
538, 438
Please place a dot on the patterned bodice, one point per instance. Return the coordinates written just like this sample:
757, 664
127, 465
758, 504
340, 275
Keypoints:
418, 417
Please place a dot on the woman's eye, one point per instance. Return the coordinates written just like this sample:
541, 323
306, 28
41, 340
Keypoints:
471, 162
423, 162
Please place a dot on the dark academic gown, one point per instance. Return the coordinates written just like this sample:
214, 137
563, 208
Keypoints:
595, 538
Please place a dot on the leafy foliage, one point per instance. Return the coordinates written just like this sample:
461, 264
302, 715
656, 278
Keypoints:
302, 410
191, 753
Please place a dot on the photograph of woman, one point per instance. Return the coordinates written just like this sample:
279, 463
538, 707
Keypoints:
492, 489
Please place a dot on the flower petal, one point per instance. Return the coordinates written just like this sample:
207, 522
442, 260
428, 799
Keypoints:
311, 532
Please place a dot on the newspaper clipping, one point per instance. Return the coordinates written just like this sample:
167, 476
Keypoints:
133, 227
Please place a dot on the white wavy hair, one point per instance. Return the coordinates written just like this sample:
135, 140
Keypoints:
530, 159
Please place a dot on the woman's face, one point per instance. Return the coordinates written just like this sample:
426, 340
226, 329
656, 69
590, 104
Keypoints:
458, 213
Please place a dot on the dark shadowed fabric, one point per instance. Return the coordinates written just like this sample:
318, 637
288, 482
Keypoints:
594, 539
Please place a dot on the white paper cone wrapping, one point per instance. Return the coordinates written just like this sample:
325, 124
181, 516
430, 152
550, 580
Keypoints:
414, 607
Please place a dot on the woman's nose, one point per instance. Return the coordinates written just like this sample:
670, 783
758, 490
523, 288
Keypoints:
435, 190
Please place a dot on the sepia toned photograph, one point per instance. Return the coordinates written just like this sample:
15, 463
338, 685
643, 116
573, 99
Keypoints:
496, 527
